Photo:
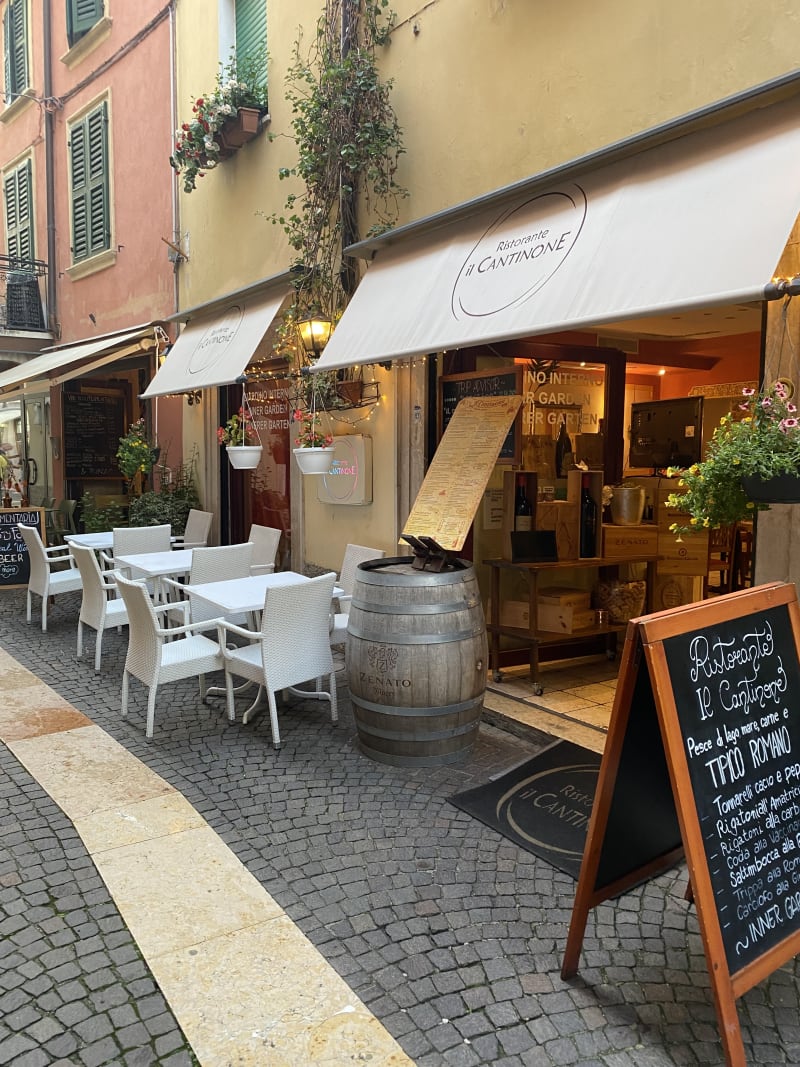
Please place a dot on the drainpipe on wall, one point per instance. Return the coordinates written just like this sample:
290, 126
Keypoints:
49, 177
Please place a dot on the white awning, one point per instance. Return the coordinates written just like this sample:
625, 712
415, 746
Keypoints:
55, 365
215, 349
696, 222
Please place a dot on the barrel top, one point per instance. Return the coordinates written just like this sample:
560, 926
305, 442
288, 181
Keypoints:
399, 570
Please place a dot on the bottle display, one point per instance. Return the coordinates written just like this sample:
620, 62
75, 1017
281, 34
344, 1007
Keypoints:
563, 447
588, 539
523, 512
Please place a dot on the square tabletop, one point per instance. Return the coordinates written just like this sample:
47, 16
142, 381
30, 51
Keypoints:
101, 542
157, 564
243, 595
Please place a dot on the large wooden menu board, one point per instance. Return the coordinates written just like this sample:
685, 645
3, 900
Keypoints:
706, 702
459, 472
94, 421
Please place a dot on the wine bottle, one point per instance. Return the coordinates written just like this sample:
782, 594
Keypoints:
588, 541
523, 512
563, 446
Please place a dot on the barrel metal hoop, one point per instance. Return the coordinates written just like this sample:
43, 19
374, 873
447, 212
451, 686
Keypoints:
446, 709
429, 735
413, 639
440, 759
373, 574
412, 609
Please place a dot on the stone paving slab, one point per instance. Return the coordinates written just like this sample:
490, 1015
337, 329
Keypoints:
451, 935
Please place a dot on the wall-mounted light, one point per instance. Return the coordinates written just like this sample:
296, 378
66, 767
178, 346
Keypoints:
315, 334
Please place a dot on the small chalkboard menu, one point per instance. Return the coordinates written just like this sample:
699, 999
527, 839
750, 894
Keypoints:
15, 565
720, 679
94, 421
454, 388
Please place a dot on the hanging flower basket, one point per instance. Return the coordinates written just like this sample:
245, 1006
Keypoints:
781, 489
244, 457
314, 460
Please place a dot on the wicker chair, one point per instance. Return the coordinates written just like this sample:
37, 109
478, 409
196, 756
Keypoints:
130, 540
158, 654
265, 541
45, 579
101, 608
214, 564
353, 555
198, 528
292, 648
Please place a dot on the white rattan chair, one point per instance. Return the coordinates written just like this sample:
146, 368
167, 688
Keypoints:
52, 570
292, 648
215, 564
353, 555
158, 654
198, 528
101, 607
265, 540
130, 540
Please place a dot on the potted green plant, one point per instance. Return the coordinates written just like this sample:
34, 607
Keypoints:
222, 120
237, 436
136, 455
314, 447
752, 461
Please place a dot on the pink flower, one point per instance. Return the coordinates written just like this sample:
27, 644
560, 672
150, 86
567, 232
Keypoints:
748, 392
788, 424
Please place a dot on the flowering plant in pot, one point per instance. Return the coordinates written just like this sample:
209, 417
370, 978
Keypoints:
314, 447
752, 460
199, 141
237, 436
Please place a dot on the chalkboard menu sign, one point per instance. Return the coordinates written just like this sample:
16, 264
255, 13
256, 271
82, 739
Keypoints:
15, 565
454, 388
94, 421
736, 686
720, 678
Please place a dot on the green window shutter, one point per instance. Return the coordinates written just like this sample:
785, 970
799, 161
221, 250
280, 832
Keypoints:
81, 16
15, 35
18, 187
91, 227
251, 29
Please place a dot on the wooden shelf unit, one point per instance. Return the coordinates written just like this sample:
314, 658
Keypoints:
534, 638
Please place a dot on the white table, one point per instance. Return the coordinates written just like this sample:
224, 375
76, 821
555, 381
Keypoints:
156, 565
100, 542
237, 596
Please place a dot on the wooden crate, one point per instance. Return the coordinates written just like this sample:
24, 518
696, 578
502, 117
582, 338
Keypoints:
562, 516
564, 618
565, 596
689, 555
622, 541
672, 590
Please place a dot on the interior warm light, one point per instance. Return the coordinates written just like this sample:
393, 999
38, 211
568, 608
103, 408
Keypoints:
662, 371
315, 334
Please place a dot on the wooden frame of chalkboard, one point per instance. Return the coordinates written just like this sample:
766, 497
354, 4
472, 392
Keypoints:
15, 566
703, 756
505, 382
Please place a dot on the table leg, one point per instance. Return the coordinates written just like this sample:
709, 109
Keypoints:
494, 644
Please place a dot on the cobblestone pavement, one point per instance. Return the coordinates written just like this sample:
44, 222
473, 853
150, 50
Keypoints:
450, 934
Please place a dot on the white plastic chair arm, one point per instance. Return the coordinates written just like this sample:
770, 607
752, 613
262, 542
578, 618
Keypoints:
178, 605
176, 585
53, 550
176, 631
108, 562
223, 626
262, 568
180, 544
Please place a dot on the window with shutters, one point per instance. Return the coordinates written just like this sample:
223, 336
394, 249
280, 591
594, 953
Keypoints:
15, 50
91, 216
18, 198
250, 20
81, 16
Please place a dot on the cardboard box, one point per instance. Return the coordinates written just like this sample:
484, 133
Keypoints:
564, 619
565, 595
689, 555
622, 541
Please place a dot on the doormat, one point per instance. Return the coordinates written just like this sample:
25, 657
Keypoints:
543, 805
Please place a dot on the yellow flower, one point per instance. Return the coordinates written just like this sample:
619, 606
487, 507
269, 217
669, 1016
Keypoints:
693, 522
706, 522
750, 504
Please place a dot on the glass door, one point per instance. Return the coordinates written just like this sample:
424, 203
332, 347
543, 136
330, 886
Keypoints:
36, 467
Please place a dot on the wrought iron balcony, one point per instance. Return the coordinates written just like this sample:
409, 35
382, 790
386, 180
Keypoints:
21, 282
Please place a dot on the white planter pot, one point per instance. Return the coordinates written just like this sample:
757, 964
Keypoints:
314, 460
244, 457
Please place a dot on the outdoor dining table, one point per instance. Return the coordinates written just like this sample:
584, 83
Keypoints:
243, 596
103, 541
157, 565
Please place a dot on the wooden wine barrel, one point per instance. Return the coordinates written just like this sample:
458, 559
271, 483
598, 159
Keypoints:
416, 662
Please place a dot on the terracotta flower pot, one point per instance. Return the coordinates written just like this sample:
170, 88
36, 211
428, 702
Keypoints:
239, 129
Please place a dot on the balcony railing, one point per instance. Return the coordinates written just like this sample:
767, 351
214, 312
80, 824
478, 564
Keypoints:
21, 282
